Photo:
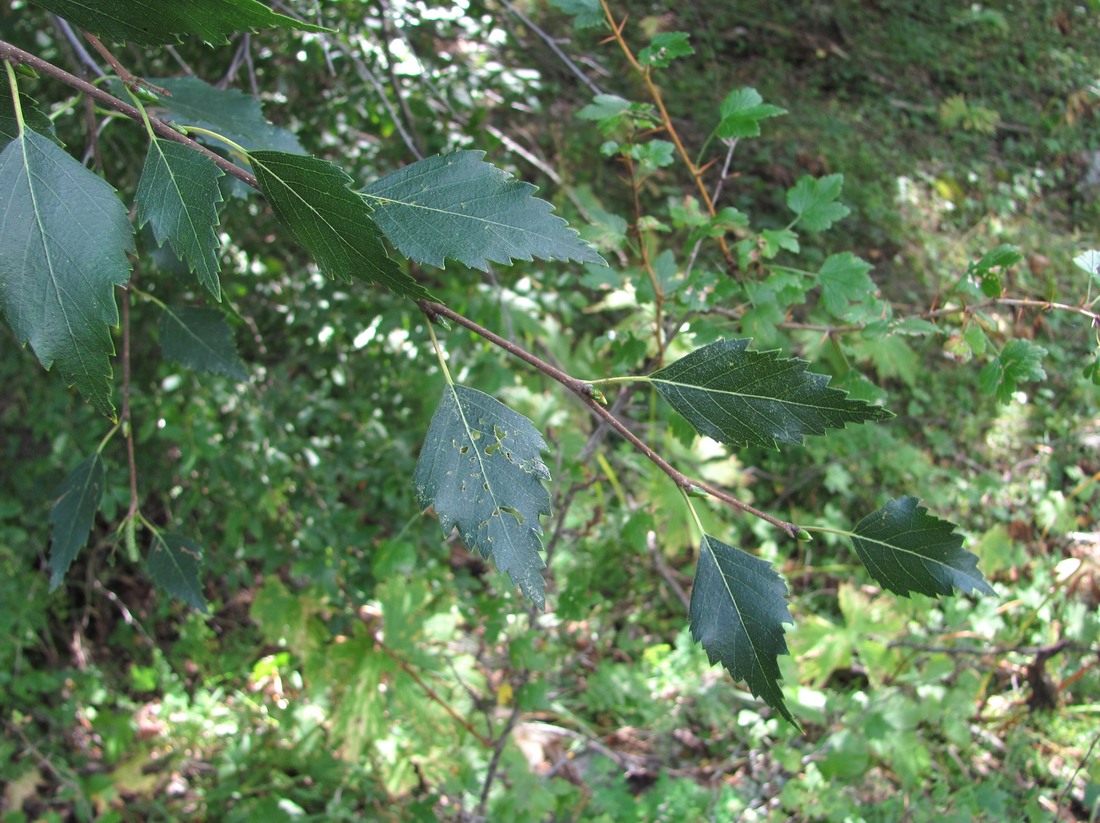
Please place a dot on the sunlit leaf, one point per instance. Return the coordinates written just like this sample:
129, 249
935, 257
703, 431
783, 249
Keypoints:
174, 564
814, 201
64, 235
178, 196
1020, 361
908, 550
749, 398
481, 468
741, 112
75, 503
665, 47
844, 281
200, 339
311, 198
738, 608
458, 207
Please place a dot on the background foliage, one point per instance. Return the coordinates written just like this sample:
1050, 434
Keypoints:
354, 664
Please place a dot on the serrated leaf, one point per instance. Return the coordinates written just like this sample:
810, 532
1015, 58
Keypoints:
1019, 362
586, 14
457, 206
157, 22
604, 107
174, 564
228, 112
738, 608
33, 117
750, 398
776, 239
311, 198
1089, 262
844, 281
741, 112
178, 195
665, 47
814, 201
200, 339
75, 503
64, 236
481, 468
908, 550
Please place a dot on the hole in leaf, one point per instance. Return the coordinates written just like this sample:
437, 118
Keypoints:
513, 512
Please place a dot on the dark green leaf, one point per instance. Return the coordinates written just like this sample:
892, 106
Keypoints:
814, 201
311, 198
64, 236
228, 112
174, 564
665, 47
32, 116
742, 111
457, 206
482, 470
200, 339
743, 397
1019, 362
908, 550
75, 503
738, 608
178, 195
156, 22
844, 281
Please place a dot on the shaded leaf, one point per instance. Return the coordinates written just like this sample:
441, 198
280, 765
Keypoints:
665, 47
178, 195
908, 550
64, 236
457, 206
738, 608
311, 198
844, 281
741, 112
482, 470
156, 22
1019, 362
586, 14
228, 112
174, 564
749, 398
33, 117
814, 201
777, 239
200, 339
75, 503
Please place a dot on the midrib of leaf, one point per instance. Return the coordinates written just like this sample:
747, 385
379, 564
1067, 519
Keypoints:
175, 184
706, 388
191, 334
458, 214
911, 552
736, 607
304, 202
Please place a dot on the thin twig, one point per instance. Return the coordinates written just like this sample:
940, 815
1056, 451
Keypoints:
546, 38
124, 74
498, 751
82, 54
127, 428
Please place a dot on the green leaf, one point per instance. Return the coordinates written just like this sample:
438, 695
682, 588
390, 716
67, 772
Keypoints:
33, 117
156, 22
482, 470
653, 154
64, 236
228, 112
586, 14
665, 47
200, 339
1019, 362
604, 107
908, 550
814, 201
844, 281
311, 198
75, 503
457, 206
776, 239
174, 563
178, 195
1089, 262
738, 608
750, 398
999, 258
741, 111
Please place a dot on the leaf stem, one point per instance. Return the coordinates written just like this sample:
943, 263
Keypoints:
219, 137
15, 94
439, 354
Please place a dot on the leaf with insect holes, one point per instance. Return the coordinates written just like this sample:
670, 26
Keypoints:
174, 564
200, 339
908, 550
814, 201
738, 608
64, 236
458, 207
159, 22
311, 198
75, 503
749, 398
481, 469
178, 196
